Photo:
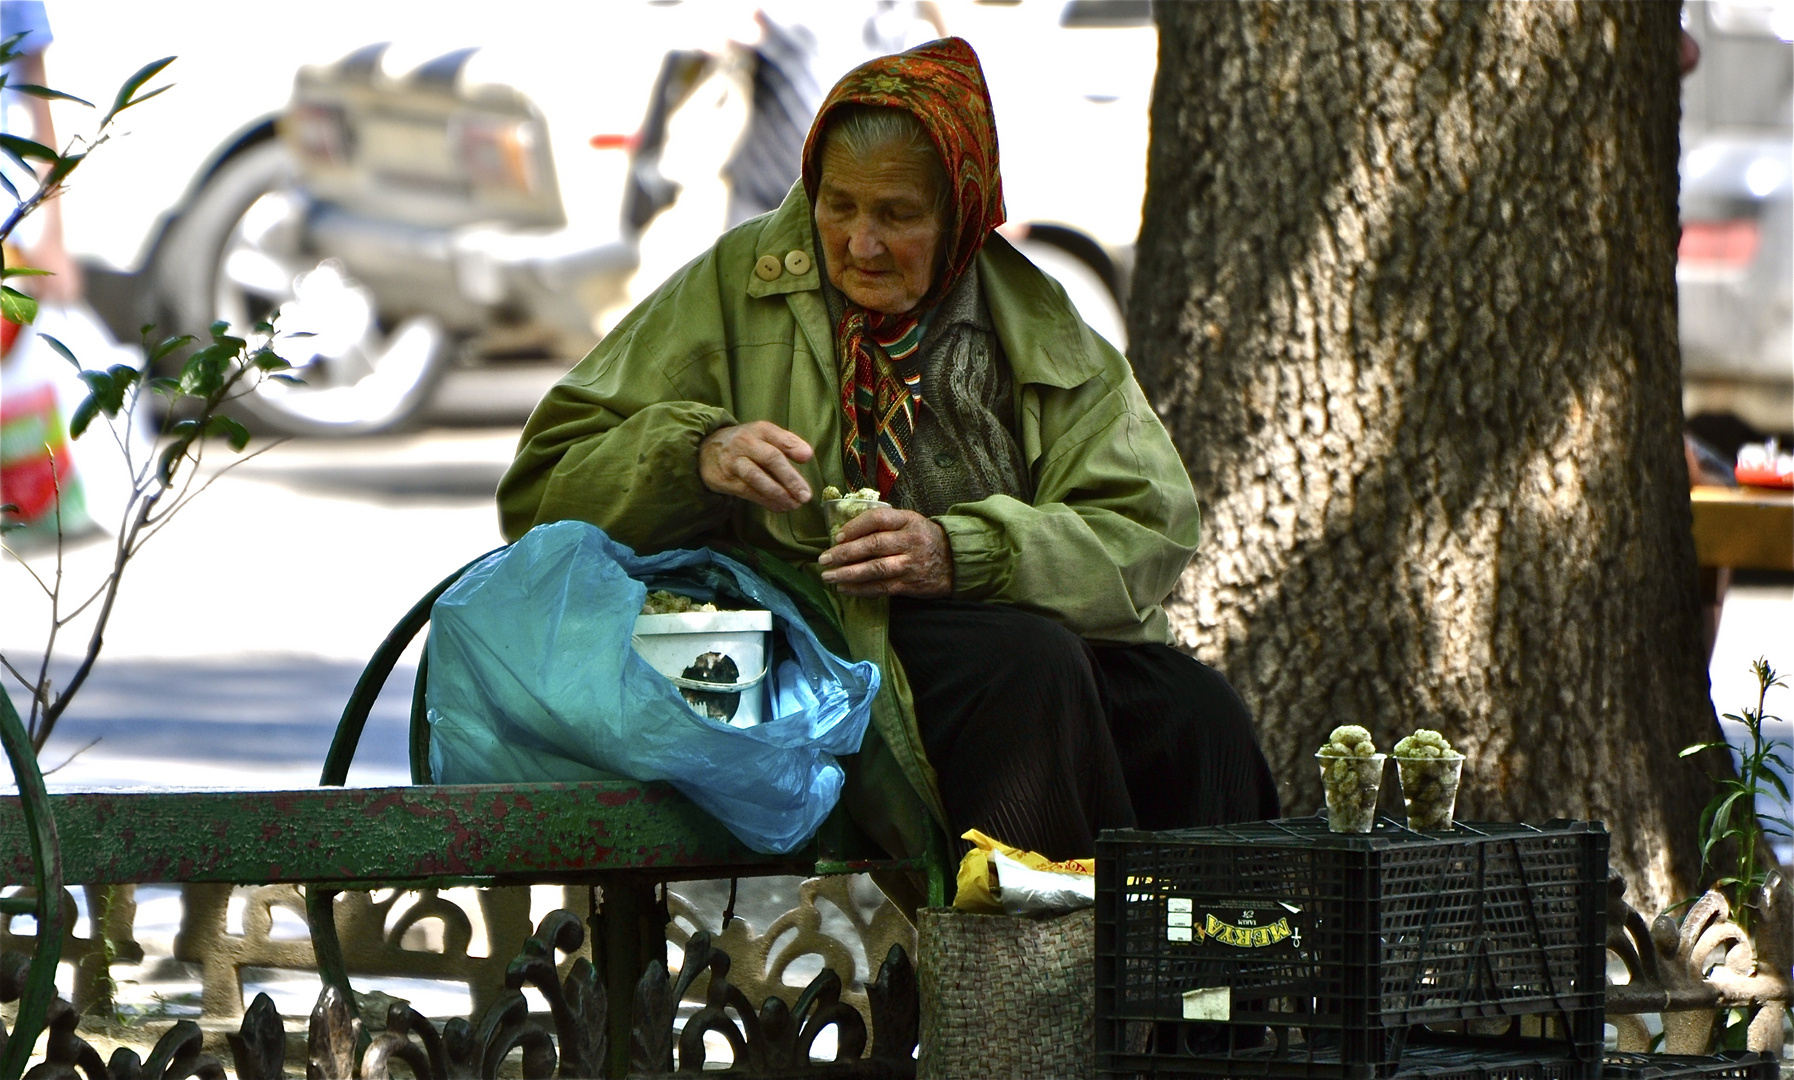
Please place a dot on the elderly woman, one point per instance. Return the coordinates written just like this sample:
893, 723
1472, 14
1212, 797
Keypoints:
874, 331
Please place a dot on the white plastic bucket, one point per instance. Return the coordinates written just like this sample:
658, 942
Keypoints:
676, 644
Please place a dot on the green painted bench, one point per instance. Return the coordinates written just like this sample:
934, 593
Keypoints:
625, 838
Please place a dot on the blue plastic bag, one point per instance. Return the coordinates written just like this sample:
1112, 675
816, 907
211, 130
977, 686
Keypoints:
533, 677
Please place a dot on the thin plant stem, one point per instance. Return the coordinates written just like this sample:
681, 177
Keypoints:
83, 606
1747, 862
91, 743
186, 497
37, 198
16, 673
27, 568
94, 643
145, 516
197, 448
40, 704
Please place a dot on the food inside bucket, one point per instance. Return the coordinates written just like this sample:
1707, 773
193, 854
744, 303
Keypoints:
661, 602
696, 645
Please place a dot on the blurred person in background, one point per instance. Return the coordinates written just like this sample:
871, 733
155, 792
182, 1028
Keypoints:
37, 471
801, 50
735, 146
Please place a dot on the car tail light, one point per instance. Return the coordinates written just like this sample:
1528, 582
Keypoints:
1765, 465
499, 152
627, 142
318, 132
1718, 245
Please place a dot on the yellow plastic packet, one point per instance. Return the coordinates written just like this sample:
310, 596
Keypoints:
975, 876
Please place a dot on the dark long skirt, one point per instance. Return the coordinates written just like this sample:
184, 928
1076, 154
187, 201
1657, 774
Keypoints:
1042, 739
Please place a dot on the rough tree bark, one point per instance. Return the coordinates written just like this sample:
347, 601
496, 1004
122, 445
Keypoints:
1406, 300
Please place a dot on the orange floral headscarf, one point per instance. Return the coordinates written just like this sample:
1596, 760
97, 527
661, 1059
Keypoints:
942, 85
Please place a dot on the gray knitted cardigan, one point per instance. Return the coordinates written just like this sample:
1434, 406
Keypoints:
964, 447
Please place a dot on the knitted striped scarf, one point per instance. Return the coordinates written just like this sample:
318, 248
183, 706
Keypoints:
942, 85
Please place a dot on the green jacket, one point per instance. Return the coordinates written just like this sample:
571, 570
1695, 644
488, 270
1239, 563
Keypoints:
615, 442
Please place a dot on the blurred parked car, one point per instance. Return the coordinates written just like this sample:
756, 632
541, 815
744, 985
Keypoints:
428, 205
1734, 277
416, 209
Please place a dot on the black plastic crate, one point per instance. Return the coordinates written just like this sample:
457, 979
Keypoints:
1424, 1054
1282, 949
1738, 1064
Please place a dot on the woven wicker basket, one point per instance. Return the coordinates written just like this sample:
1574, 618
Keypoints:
1006, 996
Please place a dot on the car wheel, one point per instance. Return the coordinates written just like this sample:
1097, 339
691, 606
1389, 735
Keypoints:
239, 255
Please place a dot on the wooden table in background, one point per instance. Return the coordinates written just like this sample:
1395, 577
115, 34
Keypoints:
1738, 529
1744, 528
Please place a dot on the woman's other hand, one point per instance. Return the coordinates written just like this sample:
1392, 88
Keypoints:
890, 553
753, 462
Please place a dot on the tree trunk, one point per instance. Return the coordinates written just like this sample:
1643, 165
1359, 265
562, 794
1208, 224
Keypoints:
1406, 300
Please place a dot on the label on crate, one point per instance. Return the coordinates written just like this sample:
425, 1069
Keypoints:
1211, 1003
1179, 919
1230, 926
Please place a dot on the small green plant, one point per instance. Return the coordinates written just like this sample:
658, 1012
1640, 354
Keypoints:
162, 481
58, 166
1734, 816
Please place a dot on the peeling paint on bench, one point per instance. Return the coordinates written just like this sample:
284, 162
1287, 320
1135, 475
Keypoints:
468, 834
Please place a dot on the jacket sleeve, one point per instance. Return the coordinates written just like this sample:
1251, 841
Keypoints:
1113, 523
615, 442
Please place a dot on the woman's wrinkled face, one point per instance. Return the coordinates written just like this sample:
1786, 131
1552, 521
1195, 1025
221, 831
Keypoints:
880, 231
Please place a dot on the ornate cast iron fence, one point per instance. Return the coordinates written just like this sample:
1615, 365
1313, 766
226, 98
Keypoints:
771, 1039
840, 922
1690, 972
738, 978
623, 837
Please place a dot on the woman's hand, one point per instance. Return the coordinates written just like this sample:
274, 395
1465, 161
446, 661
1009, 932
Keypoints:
890, 553
753, 462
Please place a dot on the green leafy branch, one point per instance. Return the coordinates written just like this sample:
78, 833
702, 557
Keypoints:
53, 168
1733, 816
162, 482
